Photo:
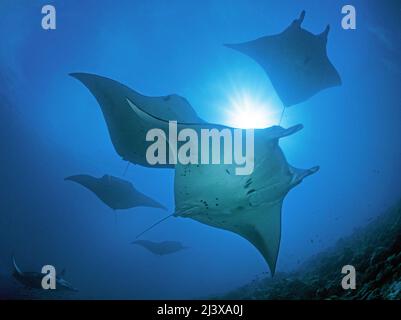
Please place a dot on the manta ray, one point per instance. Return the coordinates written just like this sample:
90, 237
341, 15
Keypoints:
160, 248
115, 192
248, 205
34, 279
127, 131
295, 60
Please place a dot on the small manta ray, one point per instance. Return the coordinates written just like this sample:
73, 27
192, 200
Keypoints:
248, 205
295, 60
160, 248
115, 192
33, 280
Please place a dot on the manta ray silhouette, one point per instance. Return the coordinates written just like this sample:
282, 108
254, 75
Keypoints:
295, 60
249, 206
115, 192
160, 248
34, 279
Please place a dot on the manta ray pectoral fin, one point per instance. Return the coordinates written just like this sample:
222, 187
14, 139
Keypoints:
264, 232
127, 129
16, 268
232, 46
118, 116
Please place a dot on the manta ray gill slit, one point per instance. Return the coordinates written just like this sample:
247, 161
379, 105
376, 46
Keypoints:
250, 111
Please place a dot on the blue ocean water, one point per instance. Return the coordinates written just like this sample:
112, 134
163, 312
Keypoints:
52, 127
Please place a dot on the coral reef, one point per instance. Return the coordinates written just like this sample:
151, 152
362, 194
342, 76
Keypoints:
374, 251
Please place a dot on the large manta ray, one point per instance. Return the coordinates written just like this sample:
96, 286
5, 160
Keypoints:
295, 60
249, 206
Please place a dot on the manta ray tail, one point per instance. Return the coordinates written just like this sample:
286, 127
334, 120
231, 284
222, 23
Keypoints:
154, 225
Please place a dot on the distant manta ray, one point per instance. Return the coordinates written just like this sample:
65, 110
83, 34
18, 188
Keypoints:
115, 192
249, 206
160, 248
295, 60
34, 279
